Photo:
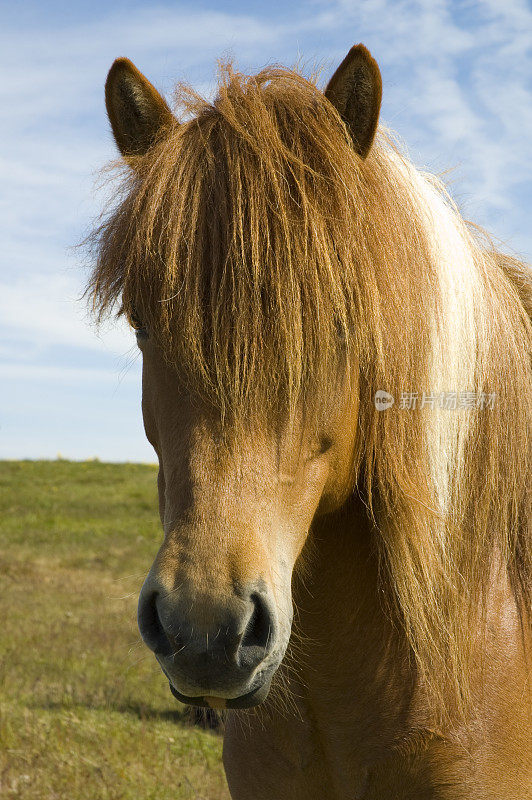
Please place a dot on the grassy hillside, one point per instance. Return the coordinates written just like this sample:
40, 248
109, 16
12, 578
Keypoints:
84, 710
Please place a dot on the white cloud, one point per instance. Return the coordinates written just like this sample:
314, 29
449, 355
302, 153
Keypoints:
45, 310
67, 375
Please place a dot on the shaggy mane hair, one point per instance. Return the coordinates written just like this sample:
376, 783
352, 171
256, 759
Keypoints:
263, 255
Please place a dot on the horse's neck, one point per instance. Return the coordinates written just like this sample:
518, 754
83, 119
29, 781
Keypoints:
355, 677
341, 613
349, 668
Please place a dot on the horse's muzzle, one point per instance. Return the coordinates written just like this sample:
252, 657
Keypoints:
212, 649
251, 698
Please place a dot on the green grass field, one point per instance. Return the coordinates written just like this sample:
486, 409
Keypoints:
84, 710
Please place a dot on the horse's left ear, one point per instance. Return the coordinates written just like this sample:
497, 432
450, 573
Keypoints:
137, 112
355, 90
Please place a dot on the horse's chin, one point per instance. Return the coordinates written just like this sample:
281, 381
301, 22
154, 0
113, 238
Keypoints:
252, 698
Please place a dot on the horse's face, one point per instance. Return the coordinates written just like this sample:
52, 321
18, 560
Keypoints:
216, 606
236, 508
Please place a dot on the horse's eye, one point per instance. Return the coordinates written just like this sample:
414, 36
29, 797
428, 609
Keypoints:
324, 445
137, 325
135, 321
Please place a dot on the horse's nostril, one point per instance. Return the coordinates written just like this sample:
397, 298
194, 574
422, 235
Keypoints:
150, 625
259, 633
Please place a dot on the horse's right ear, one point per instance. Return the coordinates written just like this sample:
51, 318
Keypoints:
355, 90
137, 112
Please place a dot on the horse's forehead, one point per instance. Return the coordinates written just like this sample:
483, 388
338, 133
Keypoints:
263, 434
260, 437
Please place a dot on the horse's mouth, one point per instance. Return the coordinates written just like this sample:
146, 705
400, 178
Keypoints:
252, 698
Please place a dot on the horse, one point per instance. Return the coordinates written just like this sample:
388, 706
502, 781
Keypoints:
337, 384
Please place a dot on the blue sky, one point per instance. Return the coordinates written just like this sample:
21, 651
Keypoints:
457, 88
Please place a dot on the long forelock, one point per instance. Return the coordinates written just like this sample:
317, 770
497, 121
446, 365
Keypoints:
235, 242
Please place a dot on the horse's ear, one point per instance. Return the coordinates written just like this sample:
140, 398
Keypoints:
355, 90
137, 112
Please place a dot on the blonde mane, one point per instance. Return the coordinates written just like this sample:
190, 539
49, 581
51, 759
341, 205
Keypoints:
264, 255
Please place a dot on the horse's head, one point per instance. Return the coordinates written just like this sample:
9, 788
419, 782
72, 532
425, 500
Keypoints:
237, 497
236, 503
